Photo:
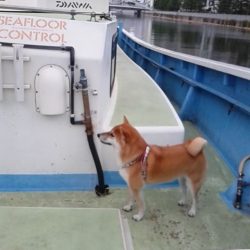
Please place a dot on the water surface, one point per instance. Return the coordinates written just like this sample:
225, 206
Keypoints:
226, 44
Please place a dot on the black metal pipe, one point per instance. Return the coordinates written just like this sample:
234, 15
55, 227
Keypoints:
239, 192
240, 183
100, 189
72, 83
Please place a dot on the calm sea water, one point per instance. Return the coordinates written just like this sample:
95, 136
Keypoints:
230, 45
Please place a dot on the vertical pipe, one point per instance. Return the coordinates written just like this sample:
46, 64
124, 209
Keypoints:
100, 189
240, 183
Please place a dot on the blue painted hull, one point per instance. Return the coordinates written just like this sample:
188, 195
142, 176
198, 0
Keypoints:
212, 95
64, 182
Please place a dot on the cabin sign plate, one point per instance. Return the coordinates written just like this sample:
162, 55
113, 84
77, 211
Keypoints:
37, 30
85, 6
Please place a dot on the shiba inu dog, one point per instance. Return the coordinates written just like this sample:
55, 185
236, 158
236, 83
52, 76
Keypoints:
147, 164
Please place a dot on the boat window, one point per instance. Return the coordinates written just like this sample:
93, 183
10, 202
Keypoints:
113, 61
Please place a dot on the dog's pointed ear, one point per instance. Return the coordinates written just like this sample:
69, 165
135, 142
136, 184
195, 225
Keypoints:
124, 136
125, 120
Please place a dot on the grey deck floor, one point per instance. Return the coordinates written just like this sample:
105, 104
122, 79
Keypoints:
138, 97
165, 225
29, 228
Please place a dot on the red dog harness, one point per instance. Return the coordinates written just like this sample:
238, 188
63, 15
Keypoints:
144, 163
143, 159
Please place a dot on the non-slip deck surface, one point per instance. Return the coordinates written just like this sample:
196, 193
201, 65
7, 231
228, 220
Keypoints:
27, 228
138, 97
165, 225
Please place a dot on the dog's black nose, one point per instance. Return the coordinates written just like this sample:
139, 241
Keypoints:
98, 135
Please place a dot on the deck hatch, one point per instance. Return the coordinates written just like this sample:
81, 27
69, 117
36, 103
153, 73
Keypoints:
52, 90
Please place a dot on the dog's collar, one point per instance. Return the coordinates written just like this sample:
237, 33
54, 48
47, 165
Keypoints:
141, 158
131, 163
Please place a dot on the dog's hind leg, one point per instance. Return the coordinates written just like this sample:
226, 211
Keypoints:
183, 186
192, 210
194, 187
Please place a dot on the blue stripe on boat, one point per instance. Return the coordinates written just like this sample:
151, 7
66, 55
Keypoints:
63, 182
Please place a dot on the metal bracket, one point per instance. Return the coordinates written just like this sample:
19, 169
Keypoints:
1, 75
13, 86
11, 58
18, 60
18, 65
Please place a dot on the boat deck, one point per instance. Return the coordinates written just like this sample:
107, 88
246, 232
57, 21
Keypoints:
165, 225
50, 228
138, 94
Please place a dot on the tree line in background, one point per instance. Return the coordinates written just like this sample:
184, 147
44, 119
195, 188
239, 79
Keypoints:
224, 6
234, 7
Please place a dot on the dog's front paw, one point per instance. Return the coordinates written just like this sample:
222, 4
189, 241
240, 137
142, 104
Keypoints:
181, 203
191, 212
137, 217
127, 208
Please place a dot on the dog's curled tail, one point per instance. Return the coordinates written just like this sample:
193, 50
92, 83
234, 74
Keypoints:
196, 145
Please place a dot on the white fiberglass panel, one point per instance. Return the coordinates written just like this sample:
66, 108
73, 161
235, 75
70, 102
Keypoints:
34, 143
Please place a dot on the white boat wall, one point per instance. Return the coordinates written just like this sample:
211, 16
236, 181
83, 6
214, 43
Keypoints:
56, 81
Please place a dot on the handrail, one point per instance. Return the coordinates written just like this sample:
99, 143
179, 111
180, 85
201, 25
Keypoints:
238, 71
191, 81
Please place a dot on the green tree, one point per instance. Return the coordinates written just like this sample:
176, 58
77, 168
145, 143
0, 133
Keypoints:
225, 6
174, 5
193, 5
171, 5
240, 7
246, 7
160, 4
234, 7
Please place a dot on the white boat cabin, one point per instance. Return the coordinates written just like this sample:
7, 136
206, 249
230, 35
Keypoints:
52, 53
